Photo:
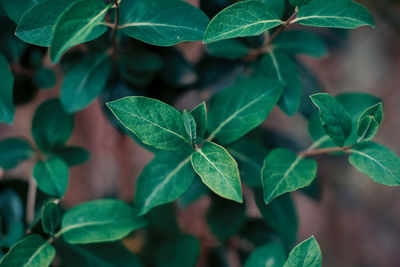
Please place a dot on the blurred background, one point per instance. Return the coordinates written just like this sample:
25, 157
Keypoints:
356, 221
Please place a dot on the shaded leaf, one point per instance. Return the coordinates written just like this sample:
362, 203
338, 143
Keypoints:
190, 126
45, 78
199, 114
72, 155
299, 42
13, 151
6, 92
229, 49
270, 255
182, 251
15, 9
51, 217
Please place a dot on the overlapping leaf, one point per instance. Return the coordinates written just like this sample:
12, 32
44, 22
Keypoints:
6, 92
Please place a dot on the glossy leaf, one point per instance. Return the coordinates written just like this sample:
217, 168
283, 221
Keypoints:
299, 42
13, 151
99, 221
51, 125
199, 114
346, 14
278, 6
250, 156
162, 22
15, 9
6, 92
51, 176
190, 126
51, 217
36, 26
378, 162
278, 66
242, 107
218, 170
245, 18
284, 172
81, 22
182, 251
228, 49
335, 119
280, 215
369, 122
32, 251
272, 254
84, 81
305, 254
154, 122
72, 155
163, 180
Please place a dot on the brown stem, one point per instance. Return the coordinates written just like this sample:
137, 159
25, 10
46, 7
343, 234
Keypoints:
315, 152
114, 36
30, 201
265, 48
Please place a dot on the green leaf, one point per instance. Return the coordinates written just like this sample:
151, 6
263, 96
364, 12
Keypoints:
45, 78
246, 18
72, 155
278, 66
225, 218
270, 255
239, 109
369, 122
81, 22
51, 125
163, 180
182, 251
305, 254
190, 126
229, 49
36, 26
296, 42
335, 119
84, 81
278, 6
162, 22
99, 221
14, 150
15, 9
32, 251
280, 215
51, 176
285, 172
299, 2
378, 162
218, 170
6, 92
199, 114
51, 217
154, 122
250, 157
344, 14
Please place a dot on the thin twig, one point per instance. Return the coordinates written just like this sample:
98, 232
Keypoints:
315, 152
30, 201
114, 35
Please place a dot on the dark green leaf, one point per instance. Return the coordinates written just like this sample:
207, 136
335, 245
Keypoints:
196, 190
225, 218
51, 217
270, 255
6, 92
345, 14
284, 172
81, 22
163, 180
182, 251
15, 9
299, 42
36, 26
278, 66
51, 125
199, 114
335, 119
278, 6
369, 122
229, 49
190, 126
299, 2
99, 221
239, 109
45, 78
51, 176
84, 81
13, 151
305, 254
246, 18
32, 251
162, 22
154, 122
378, 162
218, 170
72, 155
